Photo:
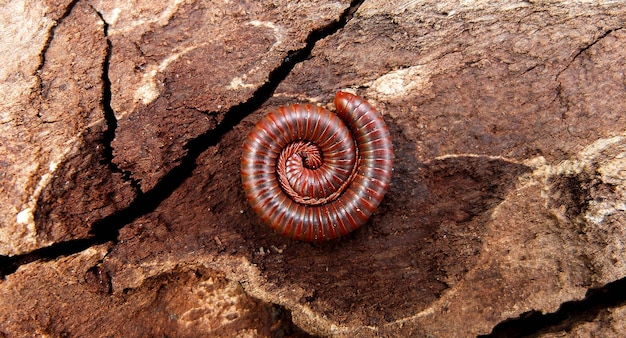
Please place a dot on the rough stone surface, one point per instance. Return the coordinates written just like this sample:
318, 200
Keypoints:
175, 74
54, 179
184, 302
611, 323
508, 194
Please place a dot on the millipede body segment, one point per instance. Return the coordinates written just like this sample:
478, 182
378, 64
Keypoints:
313, 175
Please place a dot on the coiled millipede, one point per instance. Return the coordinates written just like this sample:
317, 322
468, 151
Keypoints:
313, 175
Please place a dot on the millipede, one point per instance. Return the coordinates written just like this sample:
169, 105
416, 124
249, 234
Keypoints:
314, 175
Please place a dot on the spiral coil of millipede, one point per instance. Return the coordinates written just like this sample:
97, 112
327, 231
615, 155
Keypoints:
313, 175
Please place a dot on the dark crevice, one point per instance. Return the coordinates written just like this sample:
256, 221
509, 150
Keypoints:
584, 49
568, 316
530, 324
107, 229
109, 114
560, 96
8, 264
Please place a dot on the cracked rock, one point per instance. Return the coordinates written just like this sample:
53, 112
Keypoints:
124, 126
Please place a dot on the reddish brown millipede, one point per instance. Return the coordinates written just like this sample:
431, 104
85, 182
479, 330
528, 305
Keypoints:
313, 175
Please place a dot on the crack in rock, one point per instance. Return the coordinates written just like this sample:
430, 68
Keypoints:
109, 113
107, 229
569, 314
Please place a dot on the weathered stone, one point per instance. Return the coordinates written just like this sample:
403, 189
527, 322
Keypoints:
507, 196
55, 182
72, 296
176, 73
611, 323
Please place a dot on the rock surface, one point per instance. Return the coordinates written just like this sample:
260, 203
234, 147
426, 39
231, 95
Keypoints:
121, 137
184, 302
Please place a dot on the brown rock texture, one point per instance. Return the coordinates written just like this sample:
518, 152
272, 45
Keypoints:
55, 180
122, 124
185, 302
